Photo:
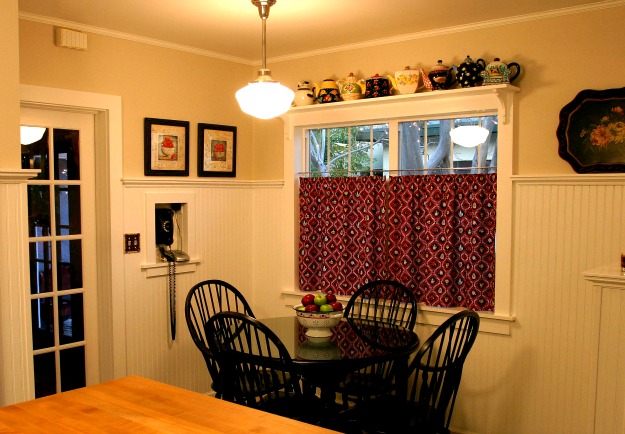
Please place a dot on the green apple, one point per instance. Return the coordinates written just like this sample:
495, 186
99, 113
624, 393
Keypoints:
301, 308
326, 308
320, 299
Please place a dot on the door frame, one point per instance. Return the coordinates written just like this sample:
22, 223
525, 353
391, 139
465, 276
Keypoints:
107, 110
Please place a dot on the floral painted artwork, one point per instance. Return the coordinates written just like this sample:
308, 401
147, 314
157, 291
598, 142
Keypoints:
591, 132
166, 144
217, 150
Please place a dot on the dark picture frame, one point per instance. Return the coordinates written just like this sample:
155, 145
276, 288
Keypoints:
166, 145
591, 132
216, 150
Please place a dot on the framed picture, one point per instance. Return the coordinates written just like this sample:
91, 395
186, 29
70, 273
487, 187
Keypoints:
591, 133
217, 150
166, 147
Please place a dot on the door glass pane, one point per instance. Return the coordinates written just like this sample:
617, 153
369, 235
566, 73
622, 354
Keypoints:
72, 368
35, 156
40, 267
66, 155
42, 315
67, 199
45, 375
38, 211
69, 264
71, 324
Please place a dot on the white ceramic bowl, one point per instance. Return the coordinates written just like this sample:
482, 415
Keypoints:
318, 324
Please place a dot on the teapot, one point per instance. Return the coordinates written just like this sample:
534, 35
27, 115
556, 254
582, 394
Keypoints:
441, 76
468, 73
376, 86
350, 88
498, 72
406, 80
305, 94
327, 91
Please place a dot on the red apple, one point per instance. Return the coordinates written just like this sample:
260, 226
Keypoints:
308, 299
312, 308
336, 305
330, 297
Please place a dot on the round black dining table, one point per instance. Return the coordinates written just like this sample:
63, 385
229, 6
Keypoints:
354, 344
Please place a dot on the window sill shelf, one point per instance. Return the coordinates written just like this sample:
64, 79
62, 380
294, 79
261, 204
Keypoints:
162, 268
434, 316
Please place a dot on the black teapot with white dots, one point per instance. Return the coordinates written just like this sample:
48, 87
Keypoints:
468, 73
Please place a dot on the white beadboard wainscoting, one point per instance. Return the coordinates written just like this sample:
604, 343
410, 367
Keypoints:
236, 224
610, 413
540, 378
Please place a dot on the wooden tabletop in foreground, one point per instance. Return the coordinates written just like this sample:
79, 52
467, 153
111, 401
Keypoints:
139, 405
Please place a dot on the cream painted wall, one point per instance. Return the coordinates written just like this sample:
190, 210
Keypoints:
9, 88
152, 81
559, 57
541, 378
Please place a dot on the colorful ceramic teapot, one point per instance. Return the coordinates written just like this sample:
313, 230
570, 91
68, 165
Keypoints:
350, 88
327, 91
441, 76
468, 73
377, 86
498, 72
305, 94
406, 81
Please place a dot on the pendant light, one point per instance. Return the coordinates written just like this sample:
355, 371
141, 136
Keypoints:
264, 98
469, 136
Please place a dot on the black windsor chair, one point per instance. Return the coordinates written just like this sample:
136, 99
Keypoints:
256, 369
380, 301
204, 300
437, 369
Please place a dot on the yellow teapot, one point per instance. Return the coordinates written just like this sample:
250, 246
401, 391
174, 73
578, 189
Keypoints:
327, 91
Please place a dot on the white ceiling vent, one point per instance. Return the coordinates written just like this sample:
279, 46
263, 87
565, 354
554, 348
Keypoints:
67, 38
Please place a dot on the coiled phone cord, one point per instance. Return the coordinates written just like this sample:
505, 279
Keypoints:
172, 298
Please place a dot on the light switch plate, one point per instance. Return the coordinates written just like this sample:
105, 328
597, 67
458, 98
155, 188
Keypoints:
131, 243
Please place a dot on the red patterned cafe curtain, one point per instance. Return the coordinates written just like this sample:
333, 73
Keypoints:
436, 236
341, 233
441, 231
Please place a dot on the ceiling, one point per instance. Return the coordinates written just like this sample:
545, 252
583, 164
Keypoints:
232, 28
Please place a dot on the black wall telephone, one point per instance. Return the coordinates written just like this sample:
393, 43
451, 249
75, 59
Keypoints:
164, 227
164, 234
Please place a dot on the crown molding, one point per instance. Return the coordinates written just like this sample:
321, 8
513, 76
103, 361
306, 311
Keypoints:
130, 37
454, 29
339, 48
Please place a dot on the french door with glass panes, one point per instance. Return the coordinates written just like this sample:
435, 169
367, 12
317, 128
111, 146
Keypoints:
62, 261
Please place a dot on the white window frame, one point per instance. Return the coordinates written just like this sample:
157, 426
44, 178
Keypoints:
478, 101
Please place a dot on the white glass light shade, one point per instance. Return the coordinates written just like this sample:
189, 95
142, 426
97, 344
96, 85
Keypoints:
469, 136
30, 135
265, 99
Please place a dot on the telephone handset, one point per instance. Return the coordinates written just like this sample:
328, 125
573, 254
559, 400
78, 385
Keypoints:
165, 236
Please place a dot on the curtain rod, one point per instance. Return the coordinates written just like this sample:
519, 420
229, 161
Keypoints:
400, 170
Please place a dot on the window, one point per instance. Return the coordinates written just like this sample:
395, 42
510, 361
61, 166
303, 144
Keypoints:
434, 233
424, 147
358, 150
483, 101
